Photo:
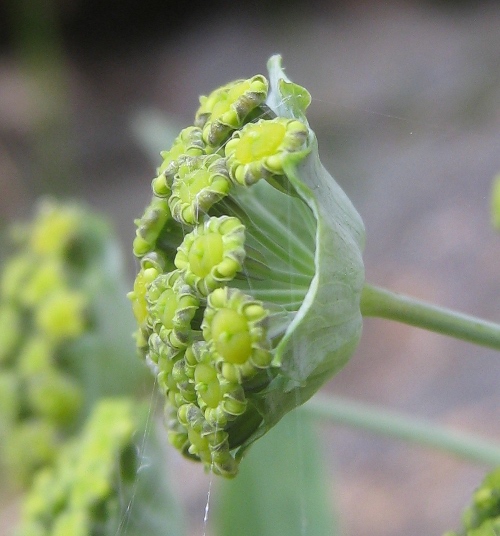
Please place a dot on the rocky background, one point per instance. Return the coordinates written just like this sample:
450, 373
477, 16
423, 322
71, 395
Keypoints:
406, 105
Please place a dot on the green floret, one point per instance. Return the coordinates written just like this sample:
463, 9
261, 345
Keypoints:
227, 107
235, 326
55, 324
150, 226
54, 228
212, 253
188, 143
62, 315
259, 150
198, 184
220, 400
206, 442
171, 307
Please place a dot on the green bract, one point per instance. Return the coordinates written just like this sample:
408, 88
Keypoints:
267, 254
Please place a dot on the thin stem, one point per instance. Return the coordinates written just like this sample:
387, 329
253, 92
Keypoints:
396, 425
383, 303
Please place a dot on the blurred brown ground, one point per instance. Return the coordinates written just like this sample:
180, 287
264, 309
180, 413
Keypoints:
406, 105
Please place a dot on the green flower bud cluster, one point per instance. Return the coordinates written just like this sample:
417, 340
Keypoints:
43, 308
482, 517
228, 256
83, 493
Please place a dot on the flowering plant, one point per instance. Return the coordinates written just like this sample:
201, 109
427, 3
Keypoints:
248, 297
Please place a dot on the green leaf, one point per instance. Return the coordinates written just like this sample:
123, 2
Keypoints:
280, 489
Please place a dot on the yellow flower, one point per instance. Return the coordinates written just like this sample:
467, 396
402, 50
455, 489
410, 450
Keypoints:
259, 150
226, 108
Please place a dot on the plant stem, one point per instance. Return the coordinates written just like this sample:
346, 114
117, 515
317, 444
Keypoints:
383, 303
388, 423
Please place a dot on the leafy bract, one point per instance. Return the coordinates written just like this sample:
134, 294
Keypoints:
327, 327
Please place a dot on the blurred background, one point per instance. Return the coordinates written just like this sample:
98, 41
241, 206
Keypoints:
406, 106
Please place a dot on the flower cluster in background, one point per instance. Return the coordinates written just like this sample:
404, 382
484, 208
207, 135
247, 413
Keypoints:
43, 308
84, 492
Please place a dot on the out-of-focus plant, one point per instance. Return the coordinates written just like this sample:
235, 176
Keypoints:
100, 484
73, 429
482, 517
62, 344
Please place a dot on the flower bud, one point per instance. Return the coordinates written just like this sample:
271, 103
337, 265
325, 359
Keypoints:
212, 253
188, 143
198, 184
226, 108
259, 150
149, 227
65, 497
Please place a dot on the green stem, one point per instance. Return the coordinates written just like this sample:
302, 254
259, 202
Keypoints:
383, 303
388, 423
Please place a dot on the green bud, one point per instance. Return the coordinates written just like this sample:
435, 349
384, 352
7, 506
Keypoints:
260, 150
56, 326
138, 296
226, 108
198, 184
235, 326
54, 228
62, 315
212, 253
80, 491
171, 307
150, 226
220, 400
188, 143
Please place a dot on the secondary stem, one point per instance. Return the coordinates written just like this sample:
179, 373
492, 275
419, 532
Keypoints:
388, 423
383, 303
